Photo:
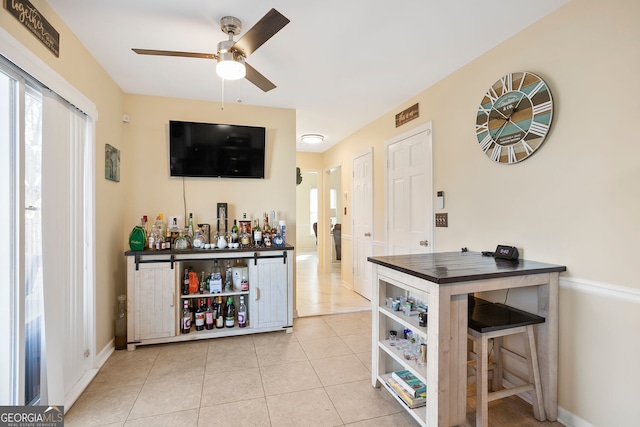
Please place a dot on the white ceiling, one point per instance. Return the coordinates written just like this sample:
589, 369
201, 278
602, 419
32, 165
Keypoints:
339, 63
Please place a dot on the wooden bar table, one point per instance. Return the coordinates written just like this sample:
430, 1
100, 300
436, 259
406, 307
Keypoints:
443, 281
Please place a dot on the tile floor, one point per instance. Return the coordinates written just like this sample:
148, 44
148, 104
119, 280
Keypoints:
323, 293
317, 376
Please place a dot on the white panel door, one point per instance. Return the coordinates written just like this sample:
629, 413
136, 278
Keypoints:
362, 223
268, 288
154, 301
410, 193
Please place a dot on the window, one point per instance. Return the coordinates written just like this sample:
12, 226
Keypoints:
46, 163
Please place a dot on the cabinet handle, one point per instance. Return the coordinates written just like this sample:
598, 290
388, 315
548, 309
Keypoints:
367, 234
173, 298
257, 294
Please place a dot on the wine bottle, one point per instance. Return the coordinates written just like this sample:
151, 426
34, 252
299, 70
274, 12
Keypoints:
234, 232
199, 318
230, 316
242, 313
185, 282
257, 233
220, 314
186, 318
208, 315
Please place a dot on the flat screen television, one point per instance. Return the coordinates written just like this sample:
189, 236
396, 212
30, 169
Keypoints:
216, 150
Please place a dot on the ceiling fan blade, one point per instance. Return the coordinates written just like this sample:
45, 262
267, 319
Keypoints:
258, 79
175, 53
264, 29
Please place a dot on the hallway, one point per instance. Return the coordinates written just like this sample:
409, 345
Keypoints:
323, 293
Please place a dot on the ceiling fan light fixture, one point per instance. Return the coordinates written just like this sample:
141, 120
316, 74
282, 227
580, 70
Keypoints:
230, 66
312, 138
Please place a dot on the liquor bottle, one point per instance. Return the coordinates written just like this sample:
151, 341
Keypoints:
208, 315
175, 232
185, 282
242, 313
220, 318
160, 224
228, 278
203, 282
180, 242
199, 318
234, 232
257, 233
186, 318
230, 314
244, 284
167, 238
215, 284
190, 226
267, 228
151, 240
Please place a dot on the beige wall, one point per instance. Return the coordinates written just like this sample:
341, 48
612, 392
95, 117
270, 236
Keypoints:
153, 191
574, 202
79, 68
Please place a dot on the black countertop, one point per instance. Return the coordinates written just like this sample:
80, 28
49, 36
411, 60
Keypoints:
453, 267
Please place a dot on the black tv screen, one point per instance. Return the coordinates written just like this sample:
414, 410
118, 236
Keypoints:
216, 150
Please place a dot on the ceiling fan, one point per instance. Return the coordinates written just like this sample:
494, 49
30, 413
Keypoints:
231, 55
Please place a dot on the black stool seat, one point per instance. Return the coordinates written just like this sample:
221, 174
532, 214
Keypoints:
485, 316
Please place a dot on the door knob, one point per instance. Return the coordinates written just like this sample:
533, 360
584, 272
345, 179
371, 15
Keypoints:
367, 234
424, 243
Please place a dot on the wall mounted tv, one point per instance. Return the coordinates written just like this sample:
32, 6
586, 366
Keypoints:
216, 150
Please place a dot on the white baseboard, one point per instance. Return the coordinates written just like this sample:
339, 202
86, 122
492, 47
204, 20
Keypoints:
571, 420
88, 376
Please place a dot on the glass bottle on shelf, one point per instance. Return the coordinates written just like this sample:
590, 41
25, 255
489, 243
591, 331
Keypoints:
186, 318
199, 317
215, 284
266, 229
180, 243
208, 316
244, 284
220, 318
228, 278
175, 232
185, 282
230, 314
257, 233
234, 231
151, 241
166, 244
203, 282
188, 238
242, 313
190, 225
245, 238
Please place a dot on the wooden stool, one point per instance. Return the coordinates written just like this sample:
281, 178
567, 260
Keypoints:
488, 321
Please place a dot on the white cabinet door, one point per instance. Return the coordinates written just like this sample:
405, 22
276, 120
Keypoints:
268, 287
154, 301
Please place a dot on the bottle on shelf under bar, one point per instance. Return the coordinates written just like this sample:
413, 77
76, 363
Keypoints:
242, 313
186, 318
208, 316
230, 316
199, 317
185, 282
220, 314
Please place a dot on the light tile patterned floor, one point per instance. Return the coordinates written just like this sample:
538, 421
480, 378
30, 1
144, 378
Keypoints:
317, 376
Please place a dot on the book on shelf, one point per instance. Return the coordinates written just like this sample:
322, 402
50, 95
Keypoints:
410, 383
411, 401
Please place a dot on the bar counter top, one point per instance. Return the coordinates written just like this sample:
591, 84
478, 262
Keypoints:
454, 267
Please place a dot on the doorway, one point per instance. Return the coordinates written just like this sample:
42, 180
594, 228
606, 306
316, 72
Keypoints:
319, 286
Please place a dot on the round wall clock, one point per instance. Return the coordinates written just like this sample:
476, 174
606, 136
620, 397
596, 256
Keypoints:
514, 117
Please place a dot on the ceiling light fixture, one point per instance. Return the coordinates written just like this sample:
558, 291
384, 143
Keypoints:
312, 138
230, 64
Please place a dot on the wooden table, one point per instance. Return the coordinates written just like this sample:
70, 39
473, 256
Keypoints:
449, 277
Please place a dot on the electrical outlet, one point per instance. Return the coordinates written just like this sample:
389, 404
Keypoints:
442, 220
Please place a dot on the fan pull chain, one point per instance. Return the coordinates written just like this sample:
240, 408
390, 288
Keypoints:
222, 102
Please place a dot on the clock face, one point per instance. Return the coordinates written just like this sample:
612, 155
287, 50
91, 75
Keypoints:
514, 117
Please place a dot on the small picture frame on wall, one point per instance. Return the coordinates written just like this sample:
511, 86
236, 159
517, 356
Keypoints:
111, 163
